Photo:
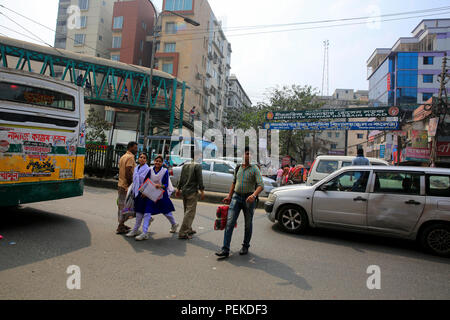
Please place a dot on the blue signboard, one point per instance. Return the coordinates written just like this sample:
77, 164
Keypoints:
382, 151
374, 125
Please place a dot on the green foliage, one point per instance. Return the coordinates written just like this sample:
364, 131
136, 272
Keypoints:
287, 98
96, 127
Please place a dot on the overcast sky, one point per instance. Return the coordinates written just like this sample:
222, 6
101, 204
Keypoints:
263, 61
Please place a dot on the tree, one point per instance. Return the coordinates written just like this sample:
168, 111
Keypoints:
287, 98
96, 127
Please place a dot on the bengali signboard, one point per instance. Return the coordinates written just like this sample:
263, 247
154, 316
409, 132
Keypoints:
333, 114
443, 148
375, 125
417, 154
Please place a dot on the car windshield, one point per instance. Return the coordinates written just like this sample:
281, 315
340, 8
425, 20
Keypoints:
327, 166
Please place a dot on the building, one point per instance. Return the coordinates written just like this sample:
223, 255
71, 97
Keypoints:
201, 56
91, 33
132, 22
332, 142
406, 74
237, 98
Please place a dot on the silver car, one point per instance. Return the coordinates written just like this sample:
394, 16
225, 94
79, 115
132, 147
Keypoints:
218, 176
405, 202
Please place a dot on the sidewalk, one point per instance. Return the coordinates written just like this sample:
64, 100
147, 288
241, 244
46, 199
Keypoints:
210, 197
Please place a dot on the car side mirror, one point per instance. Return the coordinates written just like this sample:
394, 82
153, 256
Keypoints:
323, 187
231, 171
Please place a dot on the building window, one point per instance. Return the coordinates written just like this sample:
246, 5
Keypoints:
406, 95
141, 45
171, 28
178, 5
140, 62
83, 22
329, 134
83, 4
407, 78
428, 60
337, 134
426, 96
427, 78
360, 136
333, 146
117, 42
115, 57
118, 23
158, 45
407, 60
79, 39
144, 26
168, 67
169, 47
100, 38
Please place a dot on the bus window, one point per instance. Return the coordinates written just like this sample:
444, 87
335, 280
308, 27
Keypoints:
36, 96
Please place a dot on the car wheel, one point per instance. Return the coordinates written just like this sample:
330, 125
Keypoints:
293, 219
436, 239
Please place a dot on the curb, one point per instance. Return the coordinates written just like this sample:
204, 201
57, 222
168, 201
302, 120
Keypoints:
210, 197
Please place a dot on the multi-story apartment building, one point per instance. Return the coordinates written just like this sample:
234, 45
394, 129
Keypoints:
406, 74
133, 21
201, 56
91, 33
237, 98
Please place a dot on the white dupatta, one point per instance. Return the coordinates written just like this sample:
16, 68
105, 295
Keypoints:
157, 179
140, 172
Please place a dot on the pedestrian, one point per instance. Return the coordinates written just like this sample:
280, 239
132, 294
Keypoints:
360, 160
80, 81
243, 197
191, 181
127, 164
168, 163
125, 94
110, 89
143, 206
285, 176
89, 87
279, 175
192, 114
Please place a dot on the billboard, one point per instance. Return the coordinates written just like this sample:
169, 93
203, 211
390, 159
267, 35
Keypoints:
375, 125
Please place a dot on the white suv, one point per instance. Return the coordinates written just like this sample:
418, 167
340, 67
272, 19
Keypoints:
406, 202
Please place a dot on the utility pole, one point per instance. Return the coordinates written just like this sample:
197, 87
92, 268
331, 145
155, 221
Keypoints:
439, 108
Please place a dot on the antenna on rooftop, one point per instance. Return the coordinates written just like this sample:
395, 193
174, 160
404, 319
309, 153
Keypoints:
325, 75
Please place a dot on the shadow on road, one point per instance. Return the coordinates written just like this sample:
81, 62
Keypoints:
38, 235
362, 242
272, 267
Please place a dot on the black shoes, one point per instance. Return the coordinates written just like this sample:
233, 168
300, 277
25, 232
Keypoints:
243, 251
222, 254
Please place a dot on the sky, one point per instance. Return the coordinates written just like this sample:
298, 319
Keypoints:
268, 60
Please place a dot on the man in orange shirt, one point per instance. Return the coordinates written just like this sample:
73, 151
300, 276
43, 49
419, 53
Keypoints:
126, 168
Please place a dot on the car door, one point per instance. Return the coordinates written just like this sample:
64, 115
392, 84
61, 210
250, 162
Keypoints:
206, 174
397, 201
343, 200
221, 177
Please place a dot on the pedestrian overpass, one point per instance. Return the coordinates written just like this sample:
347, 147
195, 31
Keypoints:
107, 80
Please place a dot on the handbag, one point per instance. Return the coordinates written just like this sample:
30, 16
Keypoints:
128, 208
221, 218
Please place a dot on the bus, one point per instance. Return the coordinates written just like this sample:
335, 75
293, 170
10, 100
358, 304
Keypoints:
42, 138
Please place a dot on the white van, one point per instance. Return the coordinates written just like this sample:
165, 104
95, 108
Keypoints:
325, 165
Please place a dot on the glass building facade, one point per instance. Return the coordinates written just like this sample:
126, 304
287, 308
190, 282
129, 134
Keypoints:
395, 81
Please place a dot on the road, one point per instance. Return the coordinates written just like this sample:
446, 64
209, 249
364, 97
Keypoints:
51, 236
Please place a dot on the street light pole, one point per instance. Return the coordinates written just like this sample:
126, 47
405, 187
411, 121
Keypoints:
152, 62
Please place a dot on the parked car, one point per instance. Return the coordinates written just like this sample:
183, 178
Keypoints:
218, 176
324, 165
405, 202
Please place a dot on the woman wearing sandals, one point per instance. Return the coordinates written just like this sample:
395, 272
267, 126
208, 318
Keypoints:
145, 207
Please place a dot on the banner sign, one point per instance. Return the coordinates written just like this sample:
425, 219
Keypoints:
417, 154
375, 125
382, 151
333, 114
443, 149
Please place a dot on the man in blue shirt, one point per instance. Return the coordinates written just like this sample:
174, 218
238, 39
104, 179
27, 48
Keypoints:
360, 160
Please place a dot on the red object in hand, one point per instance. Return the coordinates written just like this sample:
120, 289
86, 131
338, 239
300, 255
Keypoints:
222, 215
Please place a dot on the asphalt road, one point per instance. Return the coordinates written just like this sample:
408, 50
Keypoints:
51, 236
